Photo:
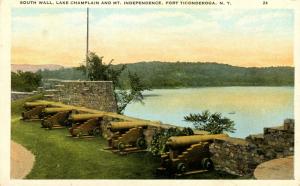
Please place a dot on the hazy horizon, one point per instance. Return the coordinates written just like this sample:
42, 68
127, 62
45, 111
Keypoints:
239, 37
76, 65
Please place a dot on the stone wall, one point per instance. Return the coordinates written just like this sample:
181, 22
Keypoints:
235, 156
97, 95
20, 95
50, 83
276, 142
241, 156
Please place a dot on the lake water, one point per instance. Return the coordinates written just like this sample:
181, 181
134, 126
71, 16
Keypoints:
254, 107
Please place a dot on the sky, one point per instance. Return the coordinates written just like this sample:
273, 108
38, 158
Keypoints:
239, 37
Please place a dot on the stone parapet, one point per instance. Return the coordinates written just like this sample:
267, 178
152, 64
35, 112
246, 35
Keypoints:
91, 94
20, 95
241, 156
235, 156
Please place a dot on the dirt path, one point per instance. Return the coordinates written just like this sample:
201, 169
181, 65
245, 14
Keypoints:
21, 160
277, 169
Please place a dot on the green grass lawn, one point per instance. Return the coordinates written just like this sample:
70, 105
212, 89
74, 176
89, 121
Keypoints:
61, 157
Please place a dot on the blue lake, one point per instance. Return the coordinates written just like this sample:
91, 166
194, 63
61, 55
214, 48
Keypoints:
251, 108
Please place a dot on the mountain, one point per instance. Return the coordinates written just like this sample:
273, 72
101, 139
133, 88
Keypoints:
188, 74
34, 68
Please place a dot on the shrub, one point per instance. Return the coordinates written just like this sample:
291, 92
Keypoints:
213, 123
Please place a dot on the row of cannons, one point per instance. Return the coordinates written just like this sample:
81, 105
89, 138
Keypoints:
186, 154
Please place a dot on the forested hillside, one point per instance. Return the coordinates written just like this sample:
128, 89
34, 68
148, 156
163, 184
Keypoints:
182, 74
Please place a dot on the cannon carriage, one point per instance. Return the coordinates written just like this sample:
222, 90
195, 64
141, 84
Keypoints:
187, 155
127, 137
56, 117
33, 110
86, 125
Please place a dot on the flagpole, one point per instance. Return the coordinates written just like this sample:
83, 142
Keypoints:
87, 41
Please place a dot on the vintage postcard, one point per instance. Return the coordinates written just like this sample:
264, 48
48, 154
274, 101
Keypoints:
103, 91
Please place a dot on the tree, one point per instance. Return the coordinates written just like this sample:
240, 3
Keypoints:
213, 123
25, 81
134, 94
97, 70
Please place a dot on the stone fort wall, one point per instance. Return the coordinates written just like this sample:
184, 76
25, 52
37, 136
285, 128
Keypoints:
20, 95
241, 156
91, 94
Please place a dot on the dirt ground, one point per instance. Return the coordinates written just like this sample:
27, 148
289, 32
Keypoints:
277, 169
21, 160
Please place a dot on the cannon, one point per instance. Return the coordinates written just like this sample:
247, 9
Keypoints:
187, 155
128, 136
56, 117
30, 105
84, 117
86, 125
33, 110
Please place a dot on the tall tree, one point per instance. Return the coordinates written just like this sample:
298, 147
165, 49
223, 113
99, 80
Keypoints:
98, 70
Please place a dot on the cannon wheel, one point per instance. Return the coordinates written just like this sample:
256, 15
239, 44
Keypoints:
121, 146
96, 131
48, 124
42, 115
141, 143
181, 167
206, 163
77, 132
43, 123
23, 115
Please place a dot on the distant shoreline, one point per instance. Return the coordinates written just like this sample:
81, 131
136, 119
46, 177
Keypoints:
175, 88
267, 86
36, 67
162, 75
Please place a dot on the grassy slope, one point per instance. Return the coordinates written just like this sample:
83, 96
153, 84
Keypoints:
62, 157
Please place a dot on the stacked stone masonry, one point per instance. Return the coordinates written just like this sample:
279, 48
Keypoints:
91, 94
241, 156
20, 95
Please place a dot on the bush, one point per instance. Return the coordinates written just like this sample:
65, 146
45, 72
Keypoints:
158, 144
213, 123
